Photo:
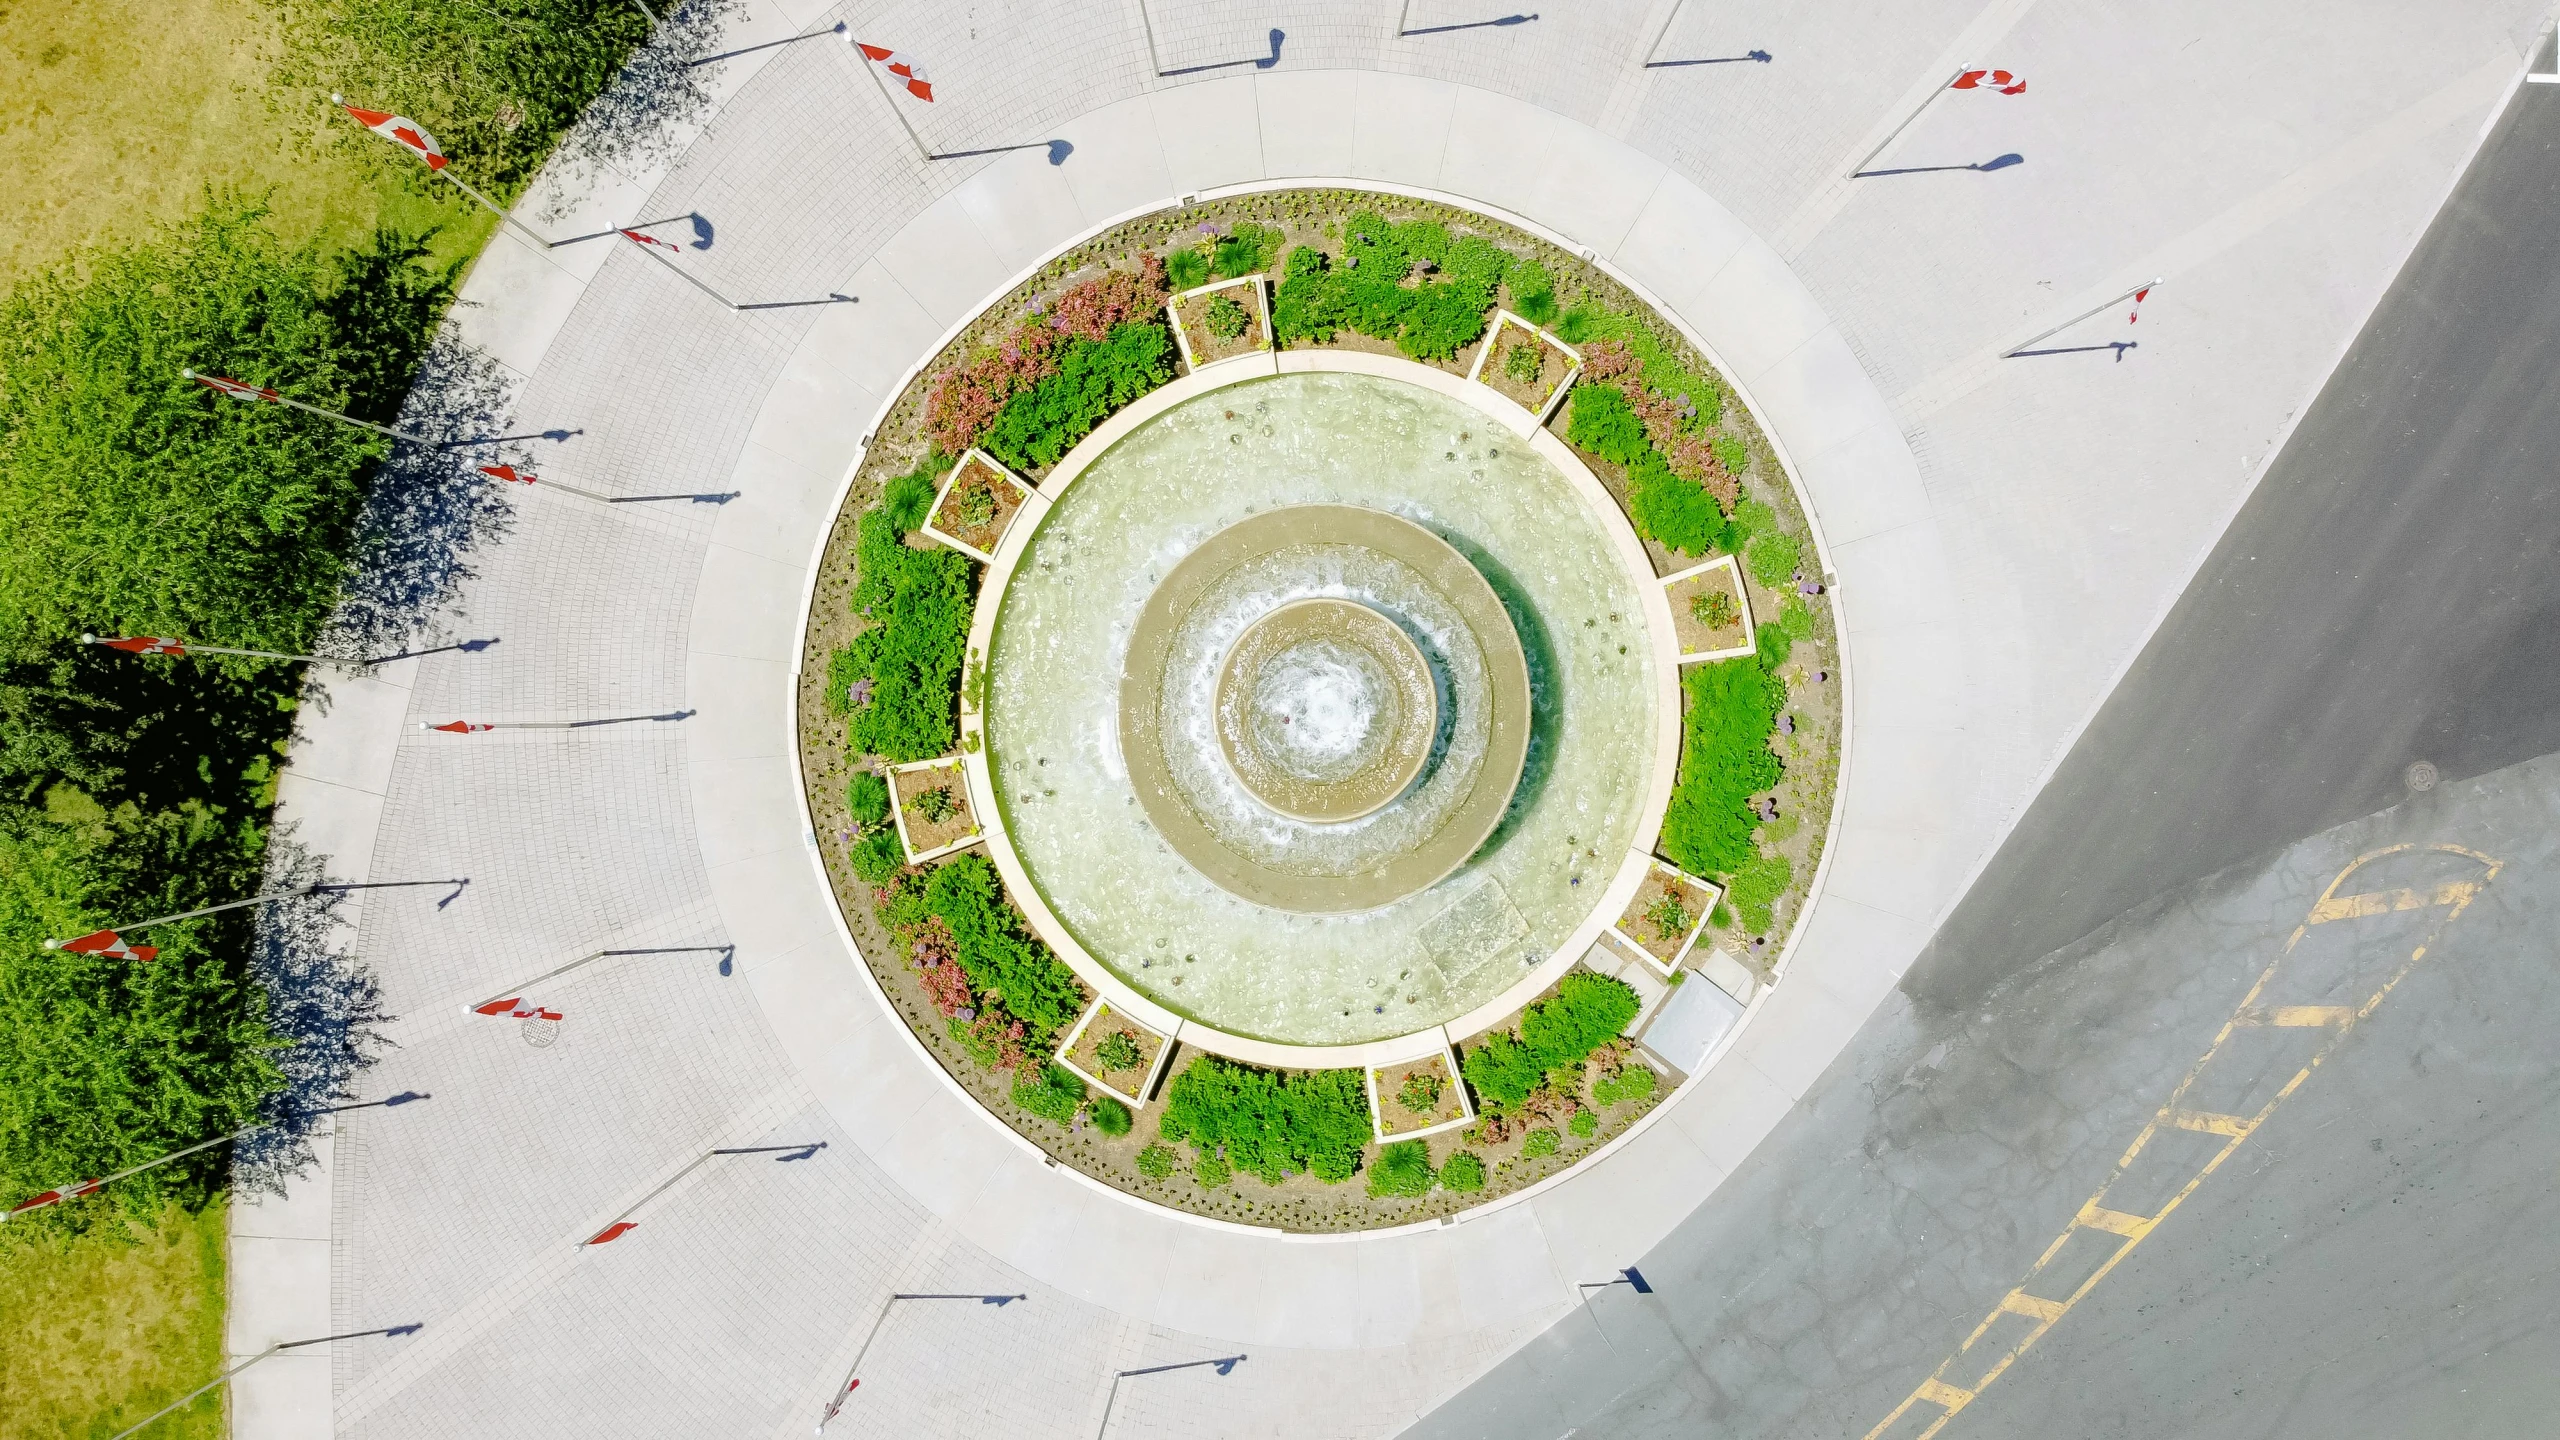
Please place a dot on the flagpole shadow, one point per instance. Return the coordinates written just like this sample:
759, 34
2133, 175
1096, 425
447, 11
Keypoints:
1058, 150
2118, 346
1762, 56
702, 231
1468, 25
2001, 162
836, 29
718, 497
1264, 62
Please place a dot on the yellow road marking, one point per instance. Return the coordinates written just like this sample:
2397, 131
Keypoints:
2034, 1307
2453, 896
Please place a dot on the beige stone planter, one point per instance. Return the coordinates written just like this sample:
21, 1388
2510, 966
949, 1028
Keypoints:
1698, 641
1098, 1023
1560, 364
1386, 1083
924, 839
1634, 925
1191, 308
977, 471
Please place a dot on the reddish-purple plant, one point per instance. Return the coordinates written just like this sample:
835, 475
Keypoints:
967, 399
1691, 456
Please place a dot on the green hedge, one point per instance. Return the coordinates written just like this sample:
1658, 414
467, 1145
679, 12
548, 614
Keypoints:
918, 603
1681, 515
1587, 1012
1271, 1124
1725, 759
1367, 291
1039, 425
1001, 958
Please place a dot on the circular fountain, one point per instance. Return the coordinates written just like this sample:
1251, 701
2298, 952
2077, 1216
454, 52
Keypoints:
1322, 708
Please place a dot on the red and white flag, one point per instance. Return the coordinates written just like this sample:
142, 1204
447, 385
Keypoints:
399, 129
2000, 80
145, 645
234, 387
54, 1197
509, 472
614, 1231
516, 1007
906, 68
636, 238
111, 945
461, 727
2138, 297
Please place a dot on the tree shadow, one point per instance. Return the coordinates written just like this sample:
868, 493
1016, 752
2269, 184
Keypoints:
645, 117
322, 1005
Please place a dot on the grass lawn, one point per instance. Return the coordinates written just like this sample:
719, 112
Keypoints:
95, 1334
115, 115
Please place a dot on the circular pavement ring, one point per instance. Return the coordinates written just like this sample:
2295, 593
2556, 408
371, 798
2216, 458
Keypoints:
1446, 571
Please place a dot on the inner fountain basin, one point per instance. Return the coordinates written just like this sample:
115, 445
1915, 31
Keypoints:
1087, 862
1259, 576
1326, 710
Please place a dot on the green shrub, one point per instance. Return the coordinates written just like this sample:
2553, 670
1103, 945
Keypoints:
1109, 1115
1588, 1011
1306, 304
1715, 609
1584, 1124
1775, 645
1522, 363
1271, 1124
1796, 618
1730, 453
911, 654
1157, 1162
877, 857
999, 957
1440, 320
867, 796
1051, 1092
1533, 291
1602, 422
1657, 362
1724, 760
934, 805
1773, 558
1366, 292
1094, 378
1632, 1082
1463, 1174
1246, 248
1679, 513
1668, 917
1477, 264
1118, 1052
1186, 269
973, 506
1538, 1142
1757, 884
1210, 1171
1403, 1168
1225, 318
1420, 1092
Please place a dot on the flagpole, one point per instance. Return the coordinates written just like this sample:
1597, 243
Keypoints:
522, 478
2083, 315
679, 274
1883, 145
185, 649
885, 97
209, 382
446, 170
79, 1188
208, 910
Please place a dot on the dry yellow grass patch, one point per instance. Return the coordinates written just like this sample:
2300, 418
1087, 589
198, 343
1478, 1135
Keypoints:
115, 115
96, 1334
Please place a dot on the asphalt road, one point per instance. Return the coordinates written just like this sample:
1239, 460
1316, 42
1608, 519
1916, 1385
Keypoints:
2375, 1258
2388, 595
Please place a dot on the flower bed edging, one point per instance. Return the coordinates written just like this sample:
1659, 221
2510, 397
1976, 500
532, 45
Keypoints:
981, 462
1741, 593
1146, 1087
898, 796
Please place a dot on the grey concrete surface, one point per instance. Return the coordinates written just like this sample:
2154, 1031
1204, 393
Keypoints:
2375, 1260
2386, 596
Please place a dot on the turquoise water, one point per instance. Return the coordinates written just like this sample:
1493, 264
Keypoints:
1053, 707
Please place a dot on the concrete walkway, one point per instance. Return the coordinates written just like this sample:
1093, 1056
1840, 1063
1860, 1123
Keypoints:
2004, 535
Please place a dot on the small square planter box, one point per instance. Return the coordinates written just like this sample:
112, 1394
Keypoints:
1650, 924
978, 499
1710, 628
1537, 392
929, 827
1096, 1029
1203, 346
1391, 1119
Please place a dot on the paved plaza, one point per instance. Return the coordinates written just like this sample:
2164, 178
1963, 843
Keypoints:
2003, 536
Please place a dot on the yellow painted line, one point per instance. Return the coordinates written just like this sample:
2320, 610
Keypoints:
2034, 1307
2206, 1122
2454, 896
2094, 1216
2385, 902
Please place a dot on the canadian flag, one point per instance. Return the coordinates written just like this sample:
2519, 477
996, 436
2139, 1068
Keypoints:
2000, 80
111, 945
2138, 297
146, 645
54, 1197
509, 472
636, 238
906, 68
398, 128
232, 387
614, 1231
516, 1008
461, 727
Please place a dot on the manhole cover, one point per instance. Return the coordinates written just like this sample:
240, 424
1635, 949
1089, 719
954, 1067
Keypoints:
2421, 775
542, 1034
